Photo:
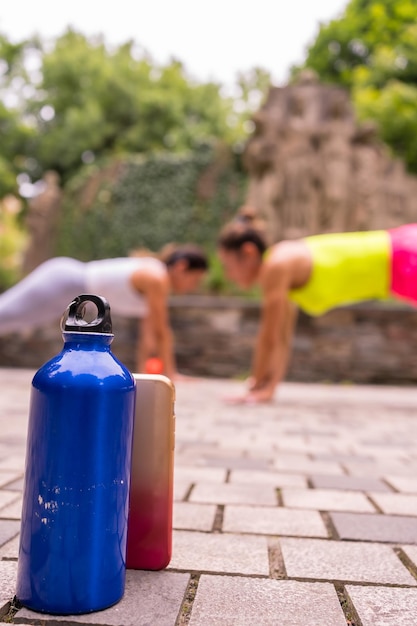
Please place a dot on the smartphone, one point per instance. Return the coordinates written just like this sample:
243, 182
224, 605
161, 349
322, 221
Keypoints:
149, 534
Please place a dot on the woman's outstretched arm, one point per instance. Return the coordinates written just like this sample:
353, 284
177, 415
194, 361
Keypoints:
156, 290
160, 328
273, 346
279, 355
274, 338
146, 345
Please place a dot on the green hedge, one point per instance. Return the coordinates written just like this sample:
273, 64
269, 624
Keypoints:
139, 202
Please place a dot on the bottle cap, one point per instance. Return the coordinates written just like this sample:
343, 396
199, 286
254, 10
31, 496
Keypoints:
73, 319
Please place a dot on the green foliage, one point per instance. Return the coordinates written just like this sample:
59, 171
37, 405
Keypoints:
78, 105
216, 281
112, 101
14, 132
78, 100
353, 40
150, 202
12, 242
395, 110
14, 139
372, 50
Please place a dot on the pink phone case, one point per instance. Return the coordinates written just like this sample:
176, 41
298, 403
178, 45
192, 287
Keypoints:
149, 537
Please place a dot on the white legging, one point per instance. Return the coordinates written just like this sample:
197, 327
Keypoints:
42, 296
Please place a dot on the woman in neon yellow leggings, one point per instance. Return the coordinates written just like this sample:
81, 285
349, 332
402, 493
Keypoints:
316, 274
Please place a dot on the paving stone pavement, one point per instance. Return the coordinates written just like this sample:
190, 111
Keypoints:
299, 512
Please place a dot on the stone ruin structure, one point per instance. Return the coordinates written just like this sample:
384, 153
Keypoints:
314, 169
42, 221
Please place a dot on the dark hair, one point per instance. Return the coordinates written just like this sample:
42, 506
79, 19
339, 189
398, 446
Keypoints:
195, 257
246, 227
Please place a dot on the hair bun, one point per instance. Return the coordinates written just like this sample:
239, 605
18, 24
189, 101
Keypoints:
247, 215
246, 226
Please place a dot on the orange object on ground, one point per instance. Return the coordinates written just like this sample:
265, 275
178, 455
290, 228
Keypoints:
154, 365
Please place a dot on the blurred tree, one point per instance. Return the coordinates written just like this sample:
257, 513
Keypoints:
366, 28
74, 101
372, 50
12, 241
15, 131
253, 85
94, 101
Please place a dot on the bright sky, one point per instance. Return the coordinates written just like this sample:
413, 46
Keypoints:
214, 39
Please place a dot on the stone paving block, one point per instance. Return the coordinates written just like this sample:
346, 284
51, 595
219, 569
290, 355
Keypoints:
339, 457
204, 458
195, 444
289, 446
231, 600
326, 500
190, 516
293, 457
8, 477
233, 554
15, 462
8, 572
16, 485
237, 463
8, 530
395, 503
234, 494
375, 527
384, 606
259, 449
348, 483
13, 510
411, 552
10, 550
289, 464
275, 479
152, 598
199, 474
7, 497
319, 432
219, 452
386, 450
335, 560
410, 471
181, 488
377, 470
406, 484
273, 521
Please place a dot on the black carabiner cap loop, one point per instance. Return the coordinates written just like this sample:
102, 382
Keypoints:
73, 319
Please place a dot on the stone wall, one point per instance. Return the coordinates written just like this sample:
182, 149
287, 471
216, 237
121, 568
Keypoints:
313, 168
367, 343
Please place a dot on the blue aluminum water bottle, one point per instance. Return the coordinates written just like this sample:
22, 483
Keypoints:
75, 501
